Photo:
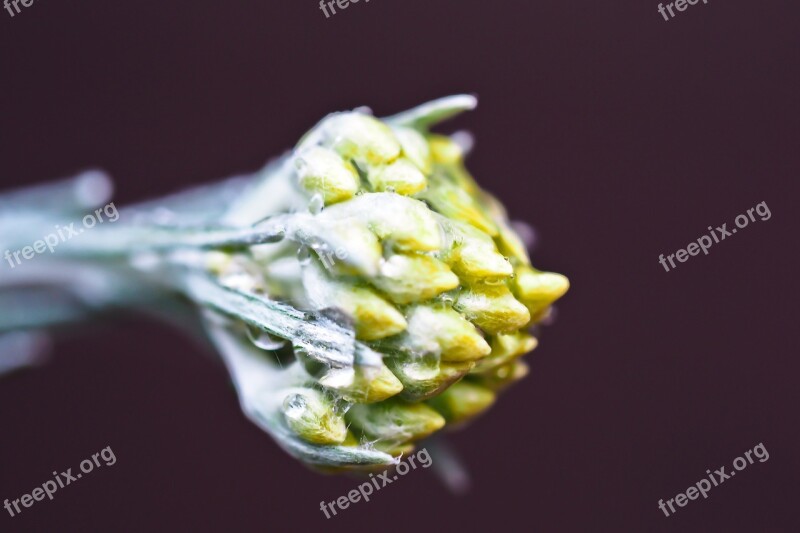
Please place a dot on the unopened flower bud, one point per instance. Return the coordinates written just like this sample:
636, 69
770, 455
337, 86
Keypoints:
454, 202
537, 290
406, 224
492, 308
462, 401
323, 171
422, 380
506, 348
372, 315
445, 332
362, 138
395, 421
472, 254
400, 176
309, 414
407, 278
444, 150
415, 148
368, 385
501, 377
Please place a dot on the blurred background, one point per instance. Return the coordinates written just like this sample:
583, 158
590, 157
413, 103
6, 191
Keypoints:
617, 135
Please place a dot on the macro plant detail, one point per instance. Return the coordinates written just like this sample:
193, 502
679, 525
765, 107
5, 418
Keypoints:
362, 290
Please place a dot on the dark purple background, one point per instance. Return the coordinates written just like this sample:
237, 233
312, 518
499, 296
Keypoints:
618, 135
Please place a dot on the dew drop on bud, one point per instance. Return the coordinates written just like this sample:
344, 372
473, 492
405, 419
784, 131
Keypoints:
447, 299
304, 255
316, 204
276, 236
294, 406
340, 407
265, 341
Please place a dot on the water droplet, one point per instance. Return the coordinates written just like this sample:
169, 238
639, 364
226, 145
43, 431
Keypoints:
294, 406
447, 298
360, 192
304, 255
390, 189
265, 341
300, 163
341, 407
276, 236
316, 204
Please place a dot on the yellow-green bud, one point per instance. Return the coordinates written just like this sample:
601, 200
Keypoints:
341, 242
373, 317
393, 449
501, 377
309, 414
399, 176
422, 380
368, 385
506, 348
362, 138
456, 203
444, 150
404, 223
395, 421
462, 401
492, 308
415, 147
407, 278
509, 243
472, 254
323, 171
537, 290
445, 332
